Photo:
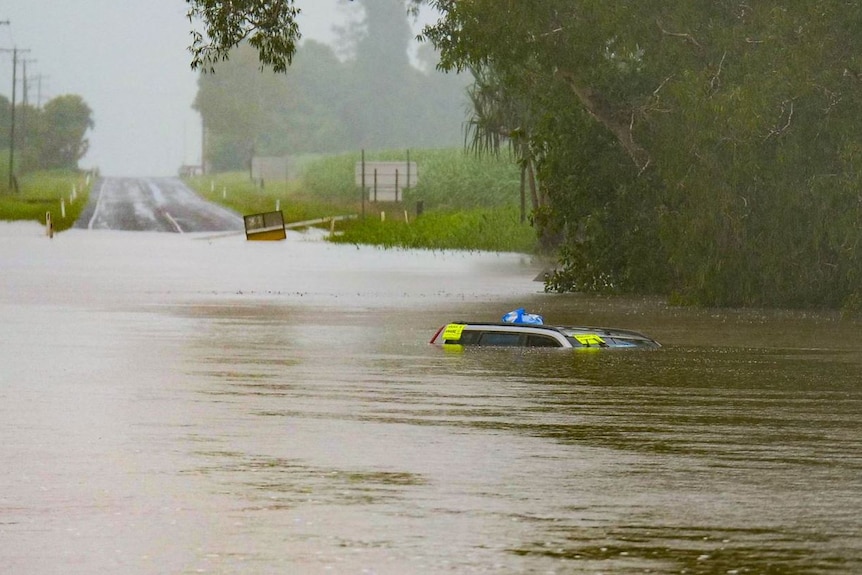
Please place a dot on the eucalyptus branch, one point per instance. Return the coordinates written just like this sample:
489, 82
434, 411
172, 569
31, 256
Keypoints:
716, 78
622, 132
652, 102
786, 126
660, 86
684, 35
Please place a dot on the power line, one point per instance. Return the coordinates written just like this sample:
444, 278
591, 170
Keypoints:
15, 52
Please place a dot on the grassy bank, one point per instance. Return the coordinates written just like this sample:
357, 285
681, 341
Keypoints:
42, 192
468, 203
238, 192
488, 229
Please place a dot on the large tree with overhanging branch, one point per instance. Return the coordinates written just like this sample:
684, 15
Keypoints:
705, 148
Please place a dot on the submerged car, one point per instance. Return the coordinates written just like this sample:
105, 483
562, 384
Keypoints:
539, 335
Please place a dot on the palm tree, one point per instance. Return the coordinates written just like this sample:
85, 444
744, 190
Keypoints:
497, 117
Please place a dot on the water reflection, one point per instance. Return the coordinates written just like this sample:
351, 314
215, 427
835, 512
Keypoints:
273, 483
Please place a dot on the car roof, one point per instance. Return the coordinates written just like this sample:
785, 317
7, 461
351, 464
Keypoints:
565, 330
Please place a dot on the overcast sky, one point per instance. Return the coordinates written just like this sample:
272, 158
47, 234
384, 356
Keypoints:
129, 61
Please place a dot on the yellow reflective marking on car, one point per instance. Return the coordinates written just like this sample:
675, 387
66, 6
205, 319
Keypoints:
453, 332
588, 349
589, 339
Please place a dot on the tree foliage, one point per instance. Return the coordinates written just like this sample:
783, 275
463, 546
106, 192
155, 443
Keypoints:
62, 126
376, 99
705, 148
48, 138
708, 148
267, 25
247, 112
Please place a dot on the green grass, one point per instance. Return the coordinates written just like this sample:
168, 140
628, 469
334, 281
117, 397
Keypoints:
42, 192
469, 203
486, 229
238, 192
448, 178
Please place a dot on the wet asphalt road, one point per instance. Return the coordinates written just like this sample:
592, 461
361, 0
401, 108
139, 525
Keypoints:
153, 204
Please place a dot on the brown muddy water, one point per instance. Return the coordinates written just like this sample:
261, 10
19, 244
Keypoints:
191, 404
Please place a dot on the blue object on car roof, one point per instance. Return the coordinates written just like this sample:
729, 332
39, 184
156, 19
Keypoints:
520, 315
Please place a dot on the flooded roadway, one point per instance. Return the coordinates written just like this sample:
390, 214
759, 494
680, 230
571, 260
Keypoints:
153, 204
199, 404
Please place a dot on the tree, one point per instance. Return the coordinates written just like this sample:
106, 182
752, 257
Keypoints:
739, 123
707, 148
378, 104
267, 25
60, 136
374, 99
499, 116
247, 111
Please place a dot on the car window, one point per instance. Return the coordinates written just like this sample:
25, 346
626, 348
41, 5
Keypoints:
626, 342
499, 338
542, 341
469, 337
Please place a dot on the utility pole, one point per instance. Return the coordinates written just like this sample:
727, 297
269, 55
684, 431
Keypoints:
24, 100
25, 79
15, 51
12, 183
39, 78
6, 23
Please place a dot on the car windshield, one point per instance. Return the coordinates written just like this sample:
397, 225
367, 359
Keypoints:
601, 338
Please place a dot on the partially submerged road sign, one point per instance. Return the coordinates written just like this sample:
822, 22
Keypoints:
266, 226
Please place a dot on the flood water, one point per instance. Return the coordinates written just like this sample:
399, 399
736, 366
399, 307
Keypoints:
202, 404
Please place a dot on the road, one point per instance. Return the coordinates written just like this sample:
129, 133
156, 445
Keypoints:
153, 204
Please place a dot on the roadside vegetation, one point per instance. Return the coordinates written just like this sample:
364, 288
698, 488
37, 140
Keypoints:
47, 148
466, 202
706, 151
238, 192
42, 192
